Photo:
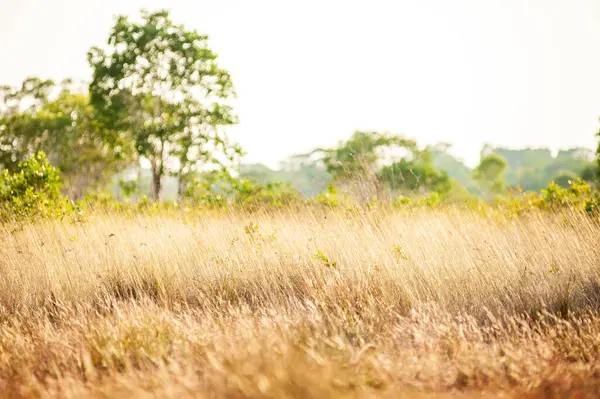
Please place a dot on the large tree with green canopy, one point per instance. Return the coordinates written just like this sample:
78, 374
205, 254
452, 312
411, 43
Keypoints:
161, 83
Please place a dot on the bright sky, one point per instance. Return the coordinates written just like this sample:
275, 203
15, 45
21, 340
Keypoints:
308, 73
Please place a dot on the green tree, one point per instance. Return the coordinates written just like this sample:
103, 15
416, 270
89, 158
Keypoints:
355, 164
306, 177
590, 173
407, 176
372, 162
42, 116
564, 178
361, 155
161, 83
20, 135
454, 167
490, 173
534, 168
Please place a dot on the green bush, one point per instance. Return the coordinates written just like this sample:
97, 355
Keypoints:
578, 196
249, 193
220, 189
32, 191
329, 197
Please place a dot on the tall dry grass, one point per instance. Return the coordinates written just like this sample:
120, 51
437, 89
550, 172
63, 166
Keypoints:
301, 304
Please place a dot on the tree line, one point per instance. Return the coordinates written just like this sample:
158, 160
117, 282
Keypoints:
157, 93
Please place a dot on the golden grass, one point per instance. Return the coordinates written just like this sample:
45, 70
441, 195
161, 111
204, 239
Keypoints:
301, 304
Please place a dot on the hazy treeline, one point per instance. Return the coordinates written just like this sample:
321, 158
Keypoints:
158, 97
531, 169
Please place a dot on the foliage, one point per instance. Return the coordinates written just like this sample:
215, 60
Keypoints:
32, 191
409, 176
18, 126
309, 179
579, 196
522, 158
256, 236
534, 169
329, 197
490, 173
248, 193
590, 173
531, 169
362, 154
160, 83
455, 168
41, 116
324, 260
564, 178
129, 188
219, 188
210, 188
371, 162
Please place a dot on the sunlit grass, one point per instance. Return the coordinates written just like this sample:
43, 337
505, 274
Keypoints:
301, 304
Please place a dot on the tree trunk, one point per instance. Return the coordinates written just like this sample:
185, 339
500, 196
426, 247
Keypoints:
139, 182
181, 187
155, 187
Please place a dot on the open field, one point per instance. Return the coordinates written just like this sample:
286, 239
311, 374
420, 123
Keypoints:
436, 303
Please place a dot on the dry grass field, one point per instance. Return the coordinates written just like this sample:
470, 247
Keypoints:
315, 304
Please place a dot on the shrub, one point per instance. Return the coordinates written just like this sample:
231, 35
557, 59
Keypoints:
329, 197
32, 191
249, 193
219, 189
577, 196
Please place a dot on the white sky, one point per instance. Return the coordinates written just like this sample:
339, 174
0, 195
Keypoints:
308, 73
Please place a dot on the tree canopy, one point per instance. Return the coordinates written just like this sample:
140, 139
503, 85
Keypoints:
490, 173
55, 119
161, 83
372, 162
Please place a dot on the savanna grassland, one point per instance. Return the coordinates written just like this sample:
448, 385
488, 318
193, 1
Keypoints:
307, 302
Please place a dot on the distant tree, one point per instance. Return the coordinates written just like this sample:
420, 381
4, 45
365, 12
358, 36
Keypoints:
362, 154
20, 134
309, 179
42, 116
407, 176
564, 178
371, 163
590, 172
259, 172
525, 157
490, 173
578, 153
454, 167
526, 167
161, 83
355, 163
534, 168
575, 159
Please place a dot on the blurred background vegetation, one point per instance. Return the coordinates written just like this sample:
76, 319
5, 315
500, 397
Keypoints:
151, 124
